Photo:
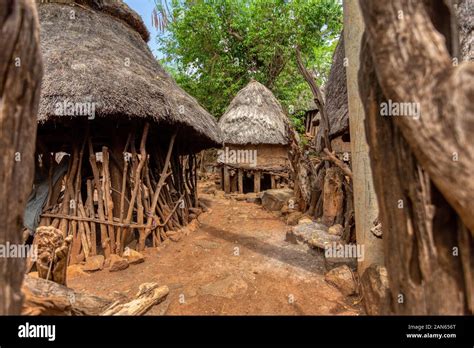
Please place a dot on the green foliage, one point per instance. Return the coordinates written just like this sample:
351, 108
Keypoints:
214, 47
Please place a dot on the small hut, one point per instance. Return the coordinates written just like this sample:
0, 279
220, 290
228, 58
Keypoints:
312, 119
117, 137
255, 132
336, 104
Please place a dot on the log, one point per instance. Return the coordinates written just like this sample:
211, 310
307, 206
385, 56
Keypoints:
44, 297
149, 294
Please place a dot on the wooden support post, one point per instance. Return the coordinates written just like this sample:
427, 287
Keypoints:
233, 183
241, 180
226, 180
272, 178
256, 181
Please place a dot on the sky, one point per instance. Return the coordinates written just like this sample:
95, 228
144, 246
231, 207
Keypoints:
144, 9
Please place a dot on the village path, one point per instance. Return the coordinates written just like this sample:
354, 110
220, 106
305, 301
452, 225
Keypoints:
236, 262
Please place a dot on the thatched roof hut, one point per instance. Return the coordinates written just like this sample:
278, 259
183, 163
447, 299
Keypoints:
117, 136
336, 96
100, 55
254, 123
254, 116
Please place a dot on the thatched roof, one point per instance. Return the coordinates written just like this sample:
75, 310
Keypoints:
336, 95
254, 117
101, 56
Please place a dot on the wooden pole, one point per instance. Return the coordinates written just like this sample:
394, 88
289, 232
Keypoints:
256, 181
241, 180
226, 179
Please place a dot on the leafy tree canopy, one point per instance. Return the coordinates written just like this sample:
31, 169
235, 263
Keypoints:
214, 47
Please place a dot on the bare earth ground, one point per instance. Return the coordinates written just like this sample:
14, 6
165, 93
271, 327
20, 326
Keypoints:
237, 262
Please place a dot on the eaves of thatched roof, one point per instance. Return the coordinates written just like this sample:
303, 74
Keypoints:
100, 55
254, 117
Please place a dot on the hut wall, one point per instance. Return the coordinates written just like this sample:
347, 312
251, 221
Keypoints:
118, 186
268, 157
270, 171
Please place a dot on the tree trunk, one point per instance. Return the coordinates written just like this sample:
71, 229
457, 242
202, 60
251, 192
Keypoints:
20, 77
365, 200
424, 192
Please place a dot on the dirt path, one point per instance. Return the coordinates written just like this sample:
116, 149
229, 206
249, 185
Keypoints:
236, 262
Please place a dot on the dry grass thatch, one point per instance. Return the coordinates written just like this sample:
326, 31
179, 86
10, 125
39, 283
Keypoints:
100, 56
336, 93
254, 117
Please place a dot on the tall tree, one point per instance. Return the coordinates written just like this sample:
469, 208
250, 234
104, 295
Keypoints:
20, 78
365, 200
214, 47
423, 165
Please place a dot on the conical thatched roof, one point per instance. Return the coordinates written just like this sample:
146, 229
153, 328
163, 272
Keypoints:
254, 117
336, 96
99, 54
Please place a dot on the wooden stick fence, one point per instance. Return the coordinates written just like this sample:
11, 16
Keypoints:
109, 198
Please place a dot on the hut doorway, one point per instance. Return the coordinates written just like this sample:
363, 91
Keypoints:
248, 183
266, 182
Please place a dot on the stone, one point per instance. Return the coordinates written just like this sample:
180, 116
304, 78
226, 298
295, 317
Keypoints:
342, 278
314, 234
293, 218
94, 263
117, 263
336, 230
321, 239
256, 200
240, 197
334, 262
228, 287
133, 257
275, 199
375, 287
74, 271
305, 220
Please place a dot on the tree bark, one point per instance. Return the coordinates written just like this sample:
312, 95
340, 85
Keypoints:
427, 247
413, 65
365, 200
20, 81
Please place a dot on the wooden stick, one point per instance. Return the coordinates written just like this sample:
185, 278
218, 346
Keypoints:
103, 229
90, 204
332, 157
108, 196
97, 221
137, 180
156, 194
